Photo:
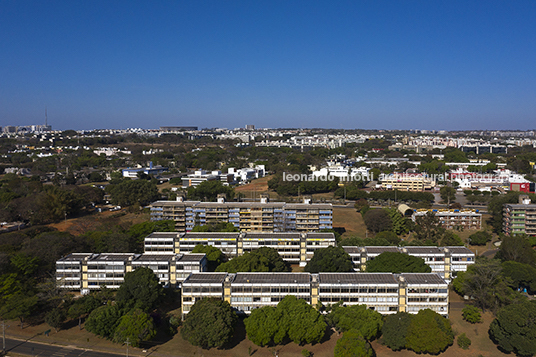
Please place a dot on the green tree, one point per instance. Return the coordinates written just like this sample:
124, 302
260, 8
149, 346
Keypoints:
128, 192
140, 289
399, 222
209, 191
214, 256
330, 259
210, 323
55, 317
136, 326
264, 259
450, 239
486, 285
395, 329
472, 314
392, 262
389, 236
141, 230
480, 238
378, 220
428, 228
359, 317
514, 328
293, 319
463, 341
19, 306
103, 320
216, 227
448, 194
522, 276
517, 248
429, 332
82, 307
263, 326
352, 344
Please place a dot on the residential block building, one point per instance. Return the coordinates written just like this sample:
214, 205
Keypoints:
444, 261
406, 182
261, 216
296, 248
88, 271
454, 218
384, 292
520, 218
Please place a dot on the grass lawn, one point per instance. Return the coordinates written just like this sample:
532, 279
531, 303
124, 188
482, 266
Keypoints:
349, 219
100, 221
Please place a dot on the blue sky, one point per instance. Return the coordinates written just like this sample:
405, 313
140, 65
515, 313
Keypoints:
344, 64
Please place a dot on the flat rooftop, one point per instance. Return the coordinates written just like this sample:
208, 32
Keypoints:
154, 258
357, 278
460, 250
273, 235
170, 235
113, 257
192, 257
75, 257
380, 250
423, 250
423, 278
272, 278
205, 278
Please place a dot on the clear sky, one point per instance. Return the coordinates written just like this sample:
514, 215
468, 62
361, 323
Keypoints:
375, 64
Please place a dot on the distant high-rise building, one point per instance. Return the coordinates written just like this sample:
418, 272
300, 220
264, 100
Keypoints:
250, 127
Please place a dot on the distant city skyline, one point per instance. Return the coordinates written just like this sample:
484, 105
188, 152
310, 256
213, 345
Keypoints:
458, 65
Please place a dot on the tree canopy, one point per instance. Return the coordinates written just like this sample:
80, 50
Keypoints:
136, 326
378, 220
210, 323
352, 344
358, 317
140, 289
214, 256
293, 319
330, 259
394, 262
209, 191
128, 192
429, 332
264, 259
514, 328
395, 330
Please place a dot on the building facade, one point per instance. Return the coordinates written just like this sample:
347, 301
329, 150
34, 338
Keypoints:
383, 292
247, 216
454, 218
444, 261
295, 248
88, 271
519, 219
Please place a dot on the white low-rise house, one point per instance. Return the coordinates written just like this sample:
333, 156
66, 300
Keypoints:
247, 174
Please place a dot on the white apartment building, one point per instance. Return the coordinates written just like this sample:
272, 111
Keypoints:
88, 271
383, 292
295, 248
444, 261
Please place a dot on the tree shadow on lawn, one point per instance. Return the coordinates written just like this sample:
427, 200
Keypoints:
239, 334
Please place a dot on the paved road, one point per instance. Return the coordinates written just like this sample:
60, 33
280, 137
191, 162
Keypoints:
39, 349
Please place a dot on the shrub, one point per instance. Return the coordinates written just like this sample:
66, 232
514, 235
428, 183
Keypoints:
464, 341
471, 314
